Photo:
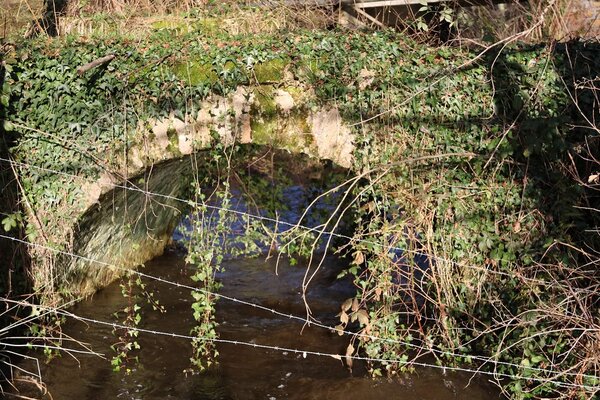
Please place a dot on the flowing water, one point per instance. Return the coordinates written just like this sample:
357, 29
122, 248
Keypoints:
244, 372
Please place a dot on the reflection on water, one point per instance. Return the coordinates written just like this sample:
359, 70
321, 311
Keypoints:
243, 372
288, 213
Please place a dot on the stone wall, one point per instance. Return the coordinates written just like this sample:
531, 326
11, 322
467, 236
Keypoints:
127, 226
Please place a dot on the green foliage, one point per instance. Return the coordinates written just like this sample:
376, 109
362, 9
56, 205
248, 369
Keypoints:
11, 221
454, 167
134, 291
46, 331
485, 207
209, 232
210, 242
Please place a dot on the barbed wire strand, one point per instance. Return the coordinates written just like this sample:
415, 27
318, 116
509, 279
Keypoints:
44, 346
291, 225
484, 360
305, 353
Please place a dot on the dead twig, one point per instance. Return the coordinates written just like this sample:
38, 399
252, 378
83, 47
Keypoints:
96, 63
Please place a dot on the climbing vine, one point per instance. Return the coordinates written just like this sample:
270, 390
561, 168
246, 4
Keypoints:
222, 228
211, 231
127, 347
468, 226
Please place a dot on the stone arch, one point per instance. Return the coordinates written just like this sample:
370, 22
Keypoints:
130, 215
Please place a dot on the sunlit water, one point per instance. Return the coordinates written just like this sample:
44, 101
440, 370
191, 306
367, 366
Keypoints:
243, 372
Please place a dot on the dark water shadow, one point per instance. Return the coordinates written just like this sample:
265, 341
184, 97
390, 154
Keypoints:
14, 258
244, 372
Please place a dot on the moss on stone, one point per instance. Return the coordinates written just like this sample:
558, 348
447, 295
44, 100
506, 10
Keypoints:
195, 73
173, 146
210, 26
297, 93
264, 104
301, 121
300, 136
270, 71
291, 133
309, 140
264, 130
175, 26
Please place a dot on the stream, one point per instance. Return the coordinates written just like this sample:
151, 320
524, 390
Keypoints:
243, 372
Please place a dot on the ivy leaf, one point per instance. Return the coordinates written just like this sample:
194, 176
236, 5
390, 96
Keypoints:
9, 223
8, 126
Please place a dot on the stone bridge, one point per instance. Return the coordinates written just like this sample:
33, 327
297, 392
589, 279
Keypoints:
131, 215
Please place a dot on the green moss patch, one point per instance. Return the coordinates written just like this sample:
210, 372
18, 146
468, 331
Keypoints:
176, 26
290, 133
196, 73
263, 130
173, 146
270, 71
264, 104
209, 26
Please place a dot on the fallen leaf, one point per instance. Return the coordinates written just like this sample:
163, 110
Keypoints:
354, 305
359, 258
349, 352
363, 317
378, 294
343, 318
517, 227
346, 305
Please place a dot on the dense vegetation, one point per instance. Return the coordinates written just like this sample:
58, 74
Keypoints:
480, 167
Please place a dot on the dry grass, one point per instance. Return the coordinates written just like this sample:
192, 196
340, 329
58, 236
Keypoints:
17, 15
491, 21
499, 21
138, 17
136, 7
239, 21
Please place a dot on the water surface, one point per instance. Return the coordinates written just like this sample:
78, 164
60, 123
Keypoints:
243, 372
